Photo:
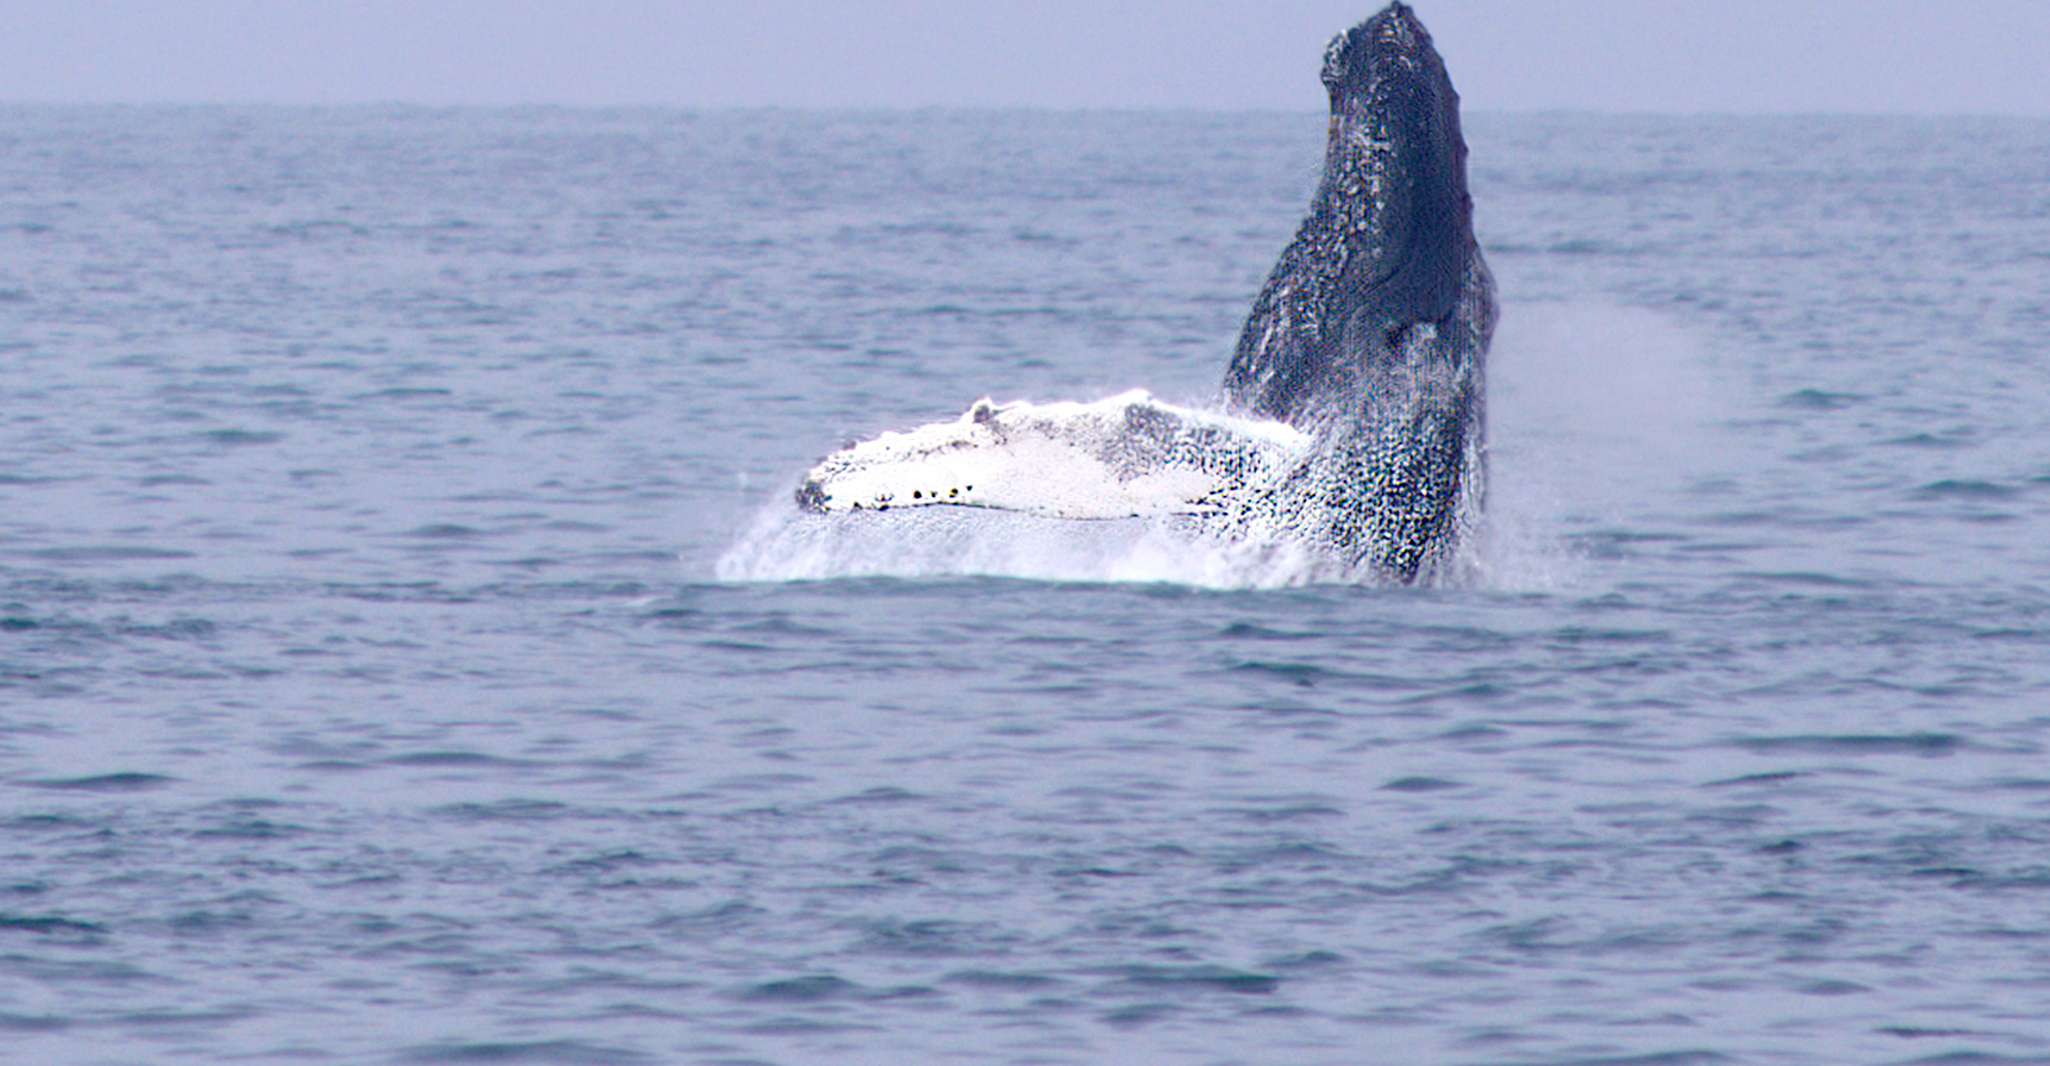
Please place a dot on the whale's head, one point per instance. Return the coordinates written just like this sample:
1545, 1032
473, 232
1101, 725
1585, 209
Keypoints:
1395, 170
1387, 254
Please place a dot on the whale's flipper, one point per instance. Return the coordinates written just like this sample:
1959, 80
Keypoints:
1372, 328
1127, 456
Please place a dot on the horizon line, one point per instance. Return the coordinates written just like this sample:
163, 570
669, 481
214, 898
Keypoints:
983, 108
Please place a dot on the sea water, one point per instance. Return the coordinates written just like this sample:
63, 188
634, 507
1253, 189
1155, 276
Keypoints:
399, 661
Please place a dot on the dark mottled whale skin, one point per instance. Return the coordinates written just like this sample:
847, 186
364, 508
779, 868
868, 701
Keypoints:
1372, 328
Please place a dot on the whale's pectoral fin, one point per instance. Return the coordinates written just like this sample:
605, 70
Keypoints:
1122, 457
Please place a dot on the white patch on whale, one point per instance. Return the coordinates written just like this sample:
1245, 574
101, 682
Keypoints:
1127, 456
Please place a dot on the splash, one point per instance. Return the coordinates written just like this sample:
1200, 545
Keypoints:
1597, 412
784, 545
1594, 404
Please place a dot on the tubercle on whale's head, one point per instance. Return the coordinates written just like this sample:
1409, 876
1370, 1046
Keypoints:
1387, 54
1394, 31
1390, 95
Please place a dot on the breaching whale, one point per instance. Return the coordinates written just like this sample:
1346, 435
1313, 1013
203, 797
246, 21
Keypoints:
1355, 418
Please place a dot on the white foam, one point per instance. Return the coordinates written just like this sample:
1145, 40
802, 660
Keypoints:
786, 545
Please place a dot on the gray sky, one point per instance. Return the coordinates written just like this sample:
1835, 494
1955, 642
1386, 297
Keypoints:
1617, 55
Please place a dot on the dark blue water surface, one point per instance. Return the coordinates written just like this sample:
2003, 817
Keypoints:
407, 655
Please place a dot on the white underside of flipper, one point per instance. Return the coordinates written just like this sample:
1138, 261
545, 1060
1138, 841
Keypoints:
1126, 456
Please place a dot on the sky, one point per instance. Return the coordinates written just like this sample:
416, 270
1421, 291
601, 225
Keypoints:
1774, 56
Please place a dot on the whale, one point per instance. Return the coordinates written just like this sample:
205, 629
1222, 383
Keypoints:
1353, 420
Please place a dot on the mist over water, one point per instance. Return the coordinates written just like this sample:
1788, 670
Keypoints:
409, 653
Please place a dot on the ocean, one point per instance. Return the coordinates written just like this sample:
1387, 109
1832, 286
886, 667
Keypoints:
409, 652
